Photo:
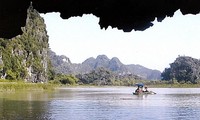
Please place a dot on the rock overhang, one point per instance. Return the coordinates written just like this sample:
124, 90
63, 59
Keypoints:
126, 15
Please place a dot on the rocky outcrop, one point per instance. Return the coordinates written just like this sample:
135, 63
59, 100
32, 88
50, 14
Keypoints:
1, 65
1, 61
60, 63
183, 69
144, 72
115, 64
25, 56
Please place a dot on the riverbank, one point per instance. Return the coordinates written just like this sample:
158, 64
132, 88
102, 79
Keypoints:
10, 86
148, 85
185, 85
15, 86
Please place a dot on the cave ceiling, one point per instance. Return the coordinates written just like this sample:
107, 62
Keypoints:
126, 15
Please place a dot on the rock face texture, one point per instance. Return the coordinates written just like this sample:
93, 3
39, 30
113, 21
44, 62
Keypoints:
25, 56
183, 69
123, 14
114, 65
1, 64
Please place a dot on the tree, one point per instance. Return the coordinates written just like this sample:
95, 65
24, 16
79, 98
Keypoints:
67, 79
100, 76
166, 74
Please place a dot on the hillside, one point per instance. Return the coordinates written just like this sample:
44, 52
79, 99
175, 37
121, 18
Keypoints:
62, 65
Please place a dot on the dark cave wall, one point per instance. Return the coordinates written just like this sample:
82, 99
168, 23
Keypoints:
13, 15
123, 14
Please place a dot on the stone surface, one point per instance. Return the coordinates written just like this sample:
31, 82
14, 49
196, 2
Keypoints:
123, 14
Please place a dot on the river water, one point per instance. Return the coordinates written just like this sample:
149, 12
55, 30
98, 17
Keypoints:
103, 103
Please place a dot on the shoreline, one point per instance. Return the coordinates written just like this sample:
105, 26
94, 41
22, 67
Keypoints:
16, 86
21, 86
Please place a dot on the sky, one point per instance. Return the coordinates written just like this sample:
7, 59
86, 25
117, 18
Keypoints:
81, 37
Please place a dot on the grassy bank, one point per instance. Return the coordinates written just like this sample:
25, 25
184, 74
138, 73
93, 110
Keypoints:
9, 86
175, 85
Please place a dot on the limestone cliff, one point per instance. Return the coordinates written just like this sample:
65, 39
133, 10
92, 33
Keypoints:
25, 56
184, 69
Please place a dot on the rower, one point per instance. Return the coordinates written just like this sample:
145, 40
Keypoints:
145, 89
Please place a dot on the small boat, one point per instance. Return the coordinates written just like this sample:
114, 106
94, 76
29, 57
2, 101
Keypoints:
140, 91
144, 93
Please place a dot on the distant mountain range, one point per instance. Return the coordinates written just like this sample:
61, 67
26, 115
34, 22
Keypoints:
62, 64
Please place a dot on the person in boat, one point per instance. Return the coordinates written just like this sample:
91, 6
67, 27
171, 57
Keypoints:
139, 89
145, 89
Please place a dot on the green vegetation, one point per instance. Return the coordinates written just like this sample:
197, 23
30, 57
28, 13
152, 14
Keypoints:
26, 54
102, 76
183, 70
16, 85
65, 79
166, 84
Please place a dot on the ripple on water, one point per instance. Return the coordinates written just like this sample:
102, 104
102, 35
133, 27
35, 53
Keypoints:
105, 104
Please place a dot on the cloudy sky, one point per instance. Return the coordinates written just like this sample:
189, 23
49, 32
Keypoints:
81, 37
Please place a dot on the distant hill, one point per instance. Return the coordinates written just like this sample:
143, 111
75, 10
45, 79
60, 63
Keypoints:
62, 64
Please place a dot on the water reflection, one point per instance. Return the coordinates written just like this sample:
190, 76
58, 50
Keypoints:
101, 104
24, 105
184, 106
